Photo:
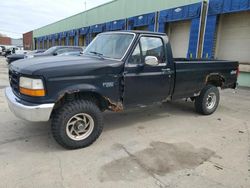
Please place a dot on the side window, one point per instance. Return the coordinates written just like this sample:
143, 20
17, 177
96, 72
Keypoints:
135, 58
152, 46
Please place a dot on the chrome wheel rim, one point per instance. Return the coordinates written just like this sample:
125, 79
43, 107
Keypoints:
80, 126
211, 101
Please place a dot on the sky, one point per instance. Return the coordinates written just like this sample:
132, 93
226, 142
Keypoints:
20, 16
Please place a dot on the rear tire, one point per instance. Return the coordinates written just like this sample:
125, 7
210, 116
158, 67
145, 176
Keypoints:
208, 100
77, 124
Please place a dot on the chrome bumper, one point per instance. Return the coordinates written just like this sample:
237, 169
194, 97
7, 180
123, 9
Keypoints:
28, 111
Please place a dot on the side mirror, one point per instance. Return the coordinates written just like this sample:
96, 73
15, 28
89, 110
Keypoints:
151, 60
55, 53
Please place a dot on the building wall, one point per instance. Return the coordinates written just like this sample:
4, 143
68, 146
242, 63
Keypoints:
28, 40
5, 40
109, 12
17, 42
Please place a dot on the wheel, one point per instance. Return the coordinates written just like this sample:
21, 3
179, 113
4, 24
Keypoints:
208, 100
77, 124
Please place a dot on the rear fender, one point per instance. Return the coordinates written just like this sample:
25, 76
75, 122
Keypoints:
215, 79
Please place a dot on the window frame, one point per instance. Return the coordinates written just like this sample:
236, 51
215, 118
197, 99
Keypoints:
126, 52
138, 41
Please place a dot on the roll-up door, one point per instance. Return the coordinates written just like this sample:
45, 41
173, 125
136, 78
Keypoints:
178, 33
63, 41
233, 37
82, 40
71, 41
50, 43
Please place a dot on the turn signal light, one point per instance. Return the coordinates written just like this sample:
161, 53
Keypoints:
32, 92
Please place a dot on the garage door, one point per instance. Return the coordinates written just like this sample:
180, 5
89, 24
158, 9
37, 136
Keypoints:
178, 33
141, 28
81, 40
63, 41
50, 43
71, 41
233, 37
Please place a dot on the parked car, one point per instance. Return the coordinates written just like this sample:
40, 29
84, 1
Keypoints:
118, 70
56, 50
13, 50
14, 57
2, 50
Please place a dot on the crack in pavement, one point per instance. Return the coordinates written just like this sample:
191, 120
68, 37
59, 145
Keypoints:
60, 168
7, 141
248, 139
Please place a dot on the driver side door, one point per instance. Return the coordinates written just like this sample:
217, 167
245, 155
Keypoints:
147, 75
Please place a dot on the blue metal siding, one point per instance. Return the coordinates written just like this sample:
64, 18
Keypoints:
177, 14
142, 20
95, 29
84, 30
227, 6
71, 33
76, 37
53, 39
193, 38
187, 12
219, 7
209, 36
67, 40
116, 25
98, 28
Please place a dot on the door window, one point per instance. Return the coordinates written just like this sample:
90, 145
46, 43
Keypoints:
148, 46
152, 46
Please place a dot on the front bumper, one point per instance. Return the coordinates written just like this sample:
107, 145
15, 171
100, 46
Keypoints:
26, 110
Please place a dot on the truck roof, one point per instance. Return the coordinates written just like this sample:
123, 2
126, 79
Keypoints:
137, 32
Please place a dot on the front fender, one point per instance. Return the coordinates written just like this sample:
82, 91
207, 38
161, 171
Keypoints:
78, 88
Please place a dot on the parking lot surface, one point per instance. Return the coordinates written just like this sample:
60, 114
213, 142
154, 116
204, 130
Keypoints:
166, 145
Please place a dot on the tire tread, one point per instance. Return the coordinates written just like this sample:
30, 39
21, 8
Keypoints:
65, 111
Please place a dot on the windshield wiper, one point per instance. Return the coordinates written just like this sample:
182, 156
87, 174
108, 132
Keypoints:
97, 53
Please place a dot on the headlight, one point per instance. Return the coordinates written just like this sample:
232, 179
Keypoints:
32, 87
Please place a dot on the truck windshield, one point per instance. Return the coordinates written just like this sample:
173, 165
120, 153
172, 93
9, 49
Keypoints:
110, 45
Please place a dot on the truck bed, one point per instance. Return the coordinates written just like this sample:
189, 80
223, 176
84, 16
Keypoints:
191, 75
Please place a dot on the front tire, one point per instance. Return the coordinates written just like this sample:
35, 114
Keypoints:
77, 124
208, 100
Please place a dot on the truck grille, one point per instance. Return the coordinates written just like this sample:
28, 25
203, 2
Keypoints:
14, 80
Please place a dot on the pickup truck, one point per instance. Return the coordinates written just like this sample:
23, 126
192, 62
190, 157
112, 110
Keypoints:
118, 70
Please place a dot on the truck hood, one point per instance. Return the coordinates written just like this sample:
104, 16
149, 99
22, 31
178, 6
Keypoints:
57, 66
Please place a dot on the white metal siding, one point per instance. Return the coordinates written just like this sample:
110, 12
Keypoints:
178, 33
233, 40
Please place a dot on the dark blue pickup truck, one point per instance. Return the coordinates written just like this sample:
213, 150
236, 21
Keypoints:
117, 70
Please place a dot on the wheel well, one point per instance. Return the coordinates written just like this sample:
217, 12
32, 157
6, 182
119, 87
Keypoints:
216, 80
99, 100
